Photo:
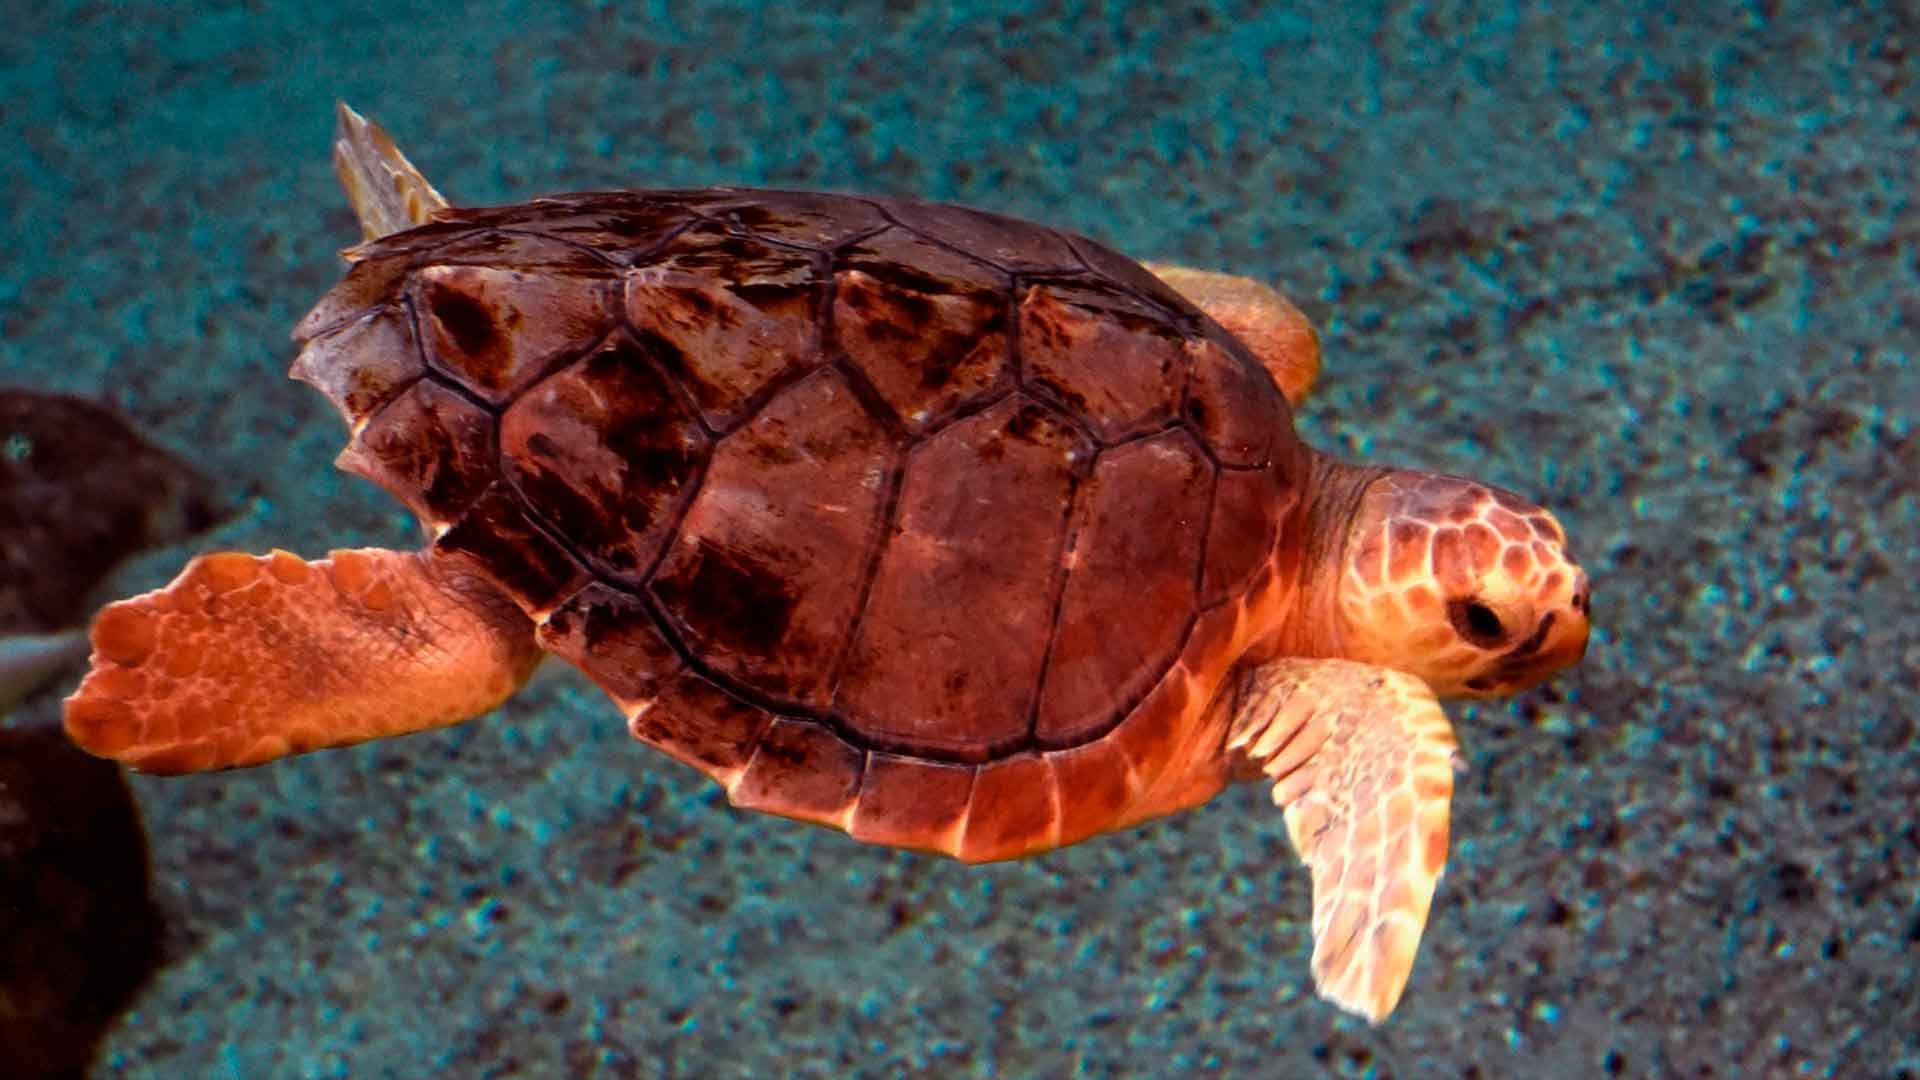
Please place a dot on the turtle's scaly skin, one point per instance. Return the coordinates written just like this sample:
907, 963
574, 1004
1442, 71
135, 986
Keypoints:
176, 689
874, 510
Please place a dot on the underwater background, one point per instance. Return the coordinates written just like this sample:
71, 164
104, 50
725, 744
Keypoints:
1656, 266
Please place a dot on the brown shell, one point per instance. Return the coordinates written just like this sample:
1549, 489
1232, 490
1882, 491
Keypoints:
882, 513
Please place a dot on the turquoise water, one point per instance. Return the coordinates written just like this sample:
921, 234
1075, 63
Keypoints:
1657, 270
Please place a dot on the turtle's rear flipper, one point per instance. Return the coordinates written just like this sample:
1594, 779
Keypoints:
1362, 759
1265, 321
387, 192
246, 658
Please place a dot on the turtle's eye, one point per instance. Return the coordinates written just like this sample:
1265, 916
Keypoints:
1475, 621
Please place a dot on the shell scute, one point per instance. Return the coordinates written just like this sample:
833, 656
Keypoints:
623, 227
1012, 245
1084, 346
1248, 507
607, 452
368, 284
811, 220
948, 652
1014, 811
1137, 280
912, 802
700, 724
612, 637
910, 260
1097, 784
1233, 404
362, 365
769, 565
1149, 733
742, 262
430, 448
495, 330
1137, 548
730, 316
801, 770
496, 533
926, 352
523, 251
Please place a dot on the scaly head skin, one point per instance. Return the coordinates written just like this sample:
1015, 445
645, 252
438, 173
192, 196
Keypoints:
1459, 583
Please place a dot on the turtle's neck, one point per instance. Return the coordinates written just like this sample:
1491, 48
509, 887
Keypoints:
1333, 493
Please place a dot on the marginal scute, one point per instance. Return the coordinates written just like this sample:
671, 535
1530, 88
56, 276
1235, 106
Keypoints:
611, 637
766, 573
362, 365
430, 448
1137, 544
1189, 766
1130, 275
909, 260
1148, 734
802, 218
1206, 656
913, 803
607, 452
701, 725
497, 534
623, 226
948, 652
524, 251
925, 352
413, 245
496, 330
1012, 245
1081, 346
1015, 809
1234, 405
1096, 784
801, 770
368, 284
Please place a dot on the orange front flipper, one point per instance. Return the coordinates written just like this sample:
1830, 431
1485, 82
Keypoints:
245, 658
1362, 760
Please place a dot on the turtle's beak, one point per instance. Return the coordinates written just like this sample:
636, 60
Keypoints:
1559, 640
1573, 642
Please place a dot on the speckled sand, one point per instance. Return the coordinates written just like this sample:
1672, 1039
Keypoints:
1658, 271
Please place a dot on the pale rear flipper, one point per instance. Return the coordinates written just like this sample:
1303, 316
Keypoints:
245, 658
1266, 322
1362, 759
388, 194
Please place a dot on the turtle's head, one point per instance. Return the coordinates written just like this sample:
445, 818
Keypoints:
1462, 584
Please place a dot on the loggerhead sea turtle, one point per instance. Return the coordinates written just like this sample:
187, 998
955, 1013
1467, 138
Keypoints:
948, 530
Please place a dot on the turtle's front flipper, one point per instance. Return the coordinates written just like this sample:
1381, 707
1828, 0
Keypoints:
1265, 321
1362, 759
246, 658
387, 192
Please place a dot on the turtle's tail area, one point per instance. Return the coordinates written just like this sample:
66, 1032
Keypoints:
388, 194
